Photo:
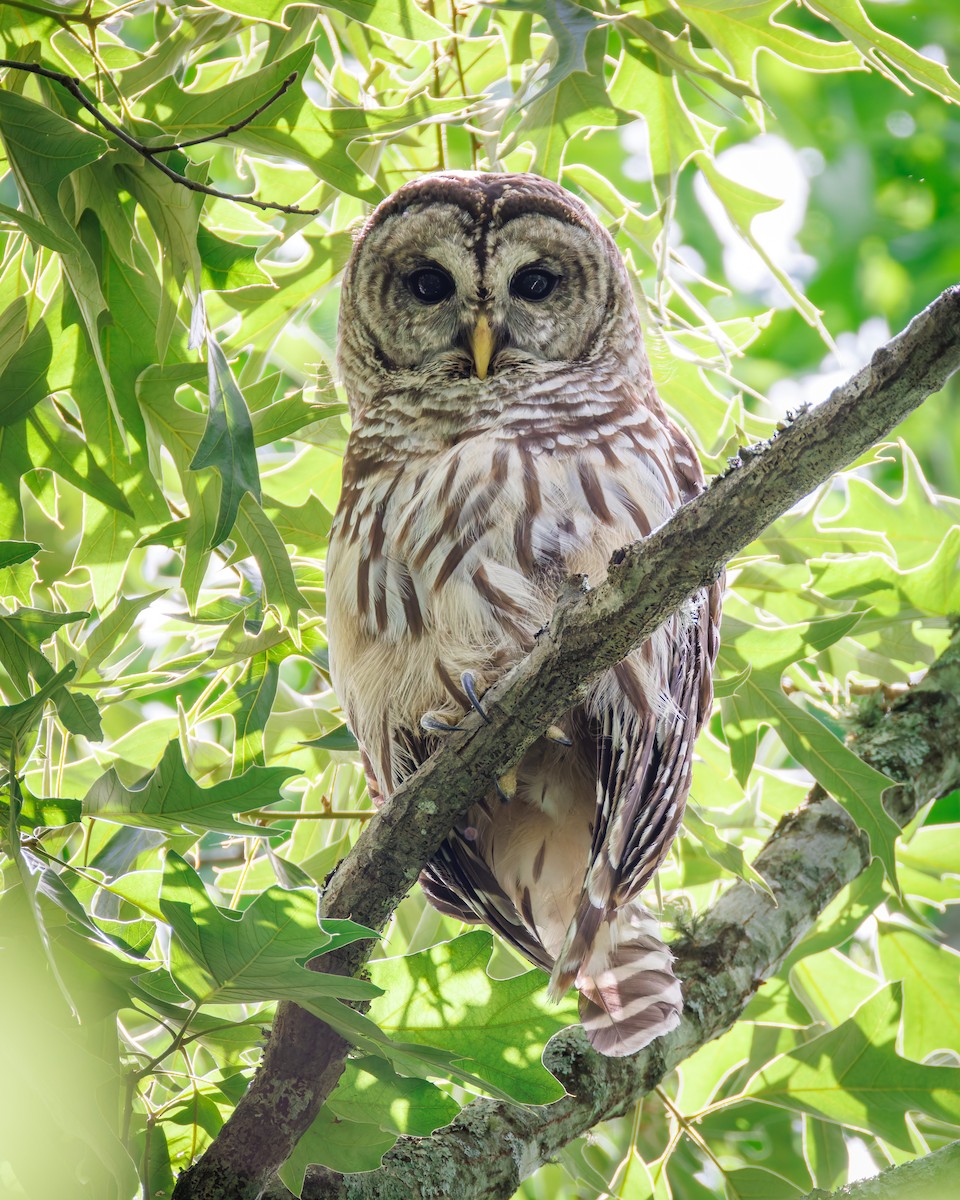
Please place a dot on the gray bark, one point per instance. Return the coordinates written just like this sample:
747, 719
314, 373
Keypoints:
936, 1176
590, 632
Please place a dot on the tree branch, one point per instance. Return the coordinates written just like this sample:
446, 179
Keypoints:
737, 943
590, 632
933, 1177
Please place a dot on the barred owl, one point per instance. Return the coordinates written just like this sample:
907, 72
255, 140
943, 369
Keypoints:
506, 434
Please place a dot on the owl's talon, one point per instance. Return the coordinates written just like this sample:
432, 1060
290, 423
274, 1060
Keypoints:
507, 785
555, 734
432, 724
469, 685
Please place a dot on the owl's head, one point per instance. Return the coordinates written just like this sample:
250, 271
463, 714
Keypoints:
476, 281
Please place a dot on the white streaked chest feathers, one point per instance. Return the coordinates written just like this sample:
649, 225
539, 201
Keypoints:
453, 562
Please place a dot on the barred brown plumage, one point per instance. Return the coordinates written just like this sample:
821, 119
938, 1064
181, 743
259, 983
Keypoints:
506, 435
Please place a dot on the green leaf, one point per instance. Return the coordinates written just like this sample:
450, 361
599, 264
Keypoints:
883, 52
580, 105
930, 864
444, 997
337, 1144
21, 634
250, 703
279, 584
675, 133
293, 127
757, 1183
24, 125
305, 526
739, 32
23, 380
35, 813
930, 973
19, 721
228, 265
393, 17
370, 1090
36, 231
66, 1076
285, 417
227, 443
832, 986
570, 25
723, 853
169, 799
14, 552
370, 1107
218, 956
742, 204
339, 739
110, 631
760, 700
853, 1075
55, 445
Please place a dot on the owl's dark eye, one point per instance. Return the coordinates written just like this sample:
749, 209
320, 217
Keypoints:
430, 285
533, 283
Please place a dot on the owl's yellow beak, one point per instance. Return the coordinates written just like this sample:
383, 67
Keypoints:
481, 346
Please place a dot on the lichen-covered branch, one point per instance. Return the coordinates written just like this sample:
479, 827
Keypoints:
936, 1176
590, 632
738, 942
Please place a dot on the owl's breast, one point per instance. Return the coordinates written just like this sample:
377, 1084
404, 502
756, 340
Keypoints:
453, 563
423, 571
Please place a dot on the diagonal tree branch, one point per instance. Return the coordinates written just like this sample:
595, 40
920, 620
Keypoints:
813, 853
590, 632
933, 1177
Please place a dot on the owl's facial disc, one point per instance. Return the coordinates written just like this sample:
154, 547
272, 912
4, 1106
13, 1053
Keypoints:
454, 292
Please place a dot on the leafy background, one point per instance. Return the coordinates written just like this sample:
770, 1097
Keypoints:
782, 178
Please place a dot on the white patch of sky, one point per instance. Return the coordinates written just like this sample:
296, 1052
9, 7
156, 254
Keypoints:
860, 1164
296, 248
853, 350
770, 165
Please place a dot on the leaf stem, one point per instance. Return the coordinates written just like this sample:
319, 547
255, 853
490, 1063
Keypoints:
337, 814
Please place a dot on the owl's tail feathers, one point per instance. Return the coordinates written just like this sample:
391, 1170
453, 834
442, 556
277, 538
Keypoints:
629, 994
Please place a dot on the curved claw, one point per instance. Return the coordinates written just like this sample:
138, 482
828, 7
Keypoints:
469, 685
432, 725
555, 734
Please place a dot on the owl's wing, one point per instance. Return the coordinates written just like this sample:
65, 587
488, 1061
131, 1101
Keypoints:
644, 764
457, 880
613, 949
460, 884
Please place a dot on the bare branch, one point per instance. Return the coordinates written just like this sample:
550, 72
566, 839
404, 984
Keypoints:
590, 632
72, 85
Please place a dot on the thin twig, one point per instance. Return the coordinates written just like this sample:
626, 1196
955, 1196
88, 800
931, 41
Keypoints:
334, 814
72, 85
212, 137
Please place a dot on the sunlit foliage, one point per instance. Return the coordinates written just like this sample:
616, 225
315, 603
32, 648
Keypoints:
178, 778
